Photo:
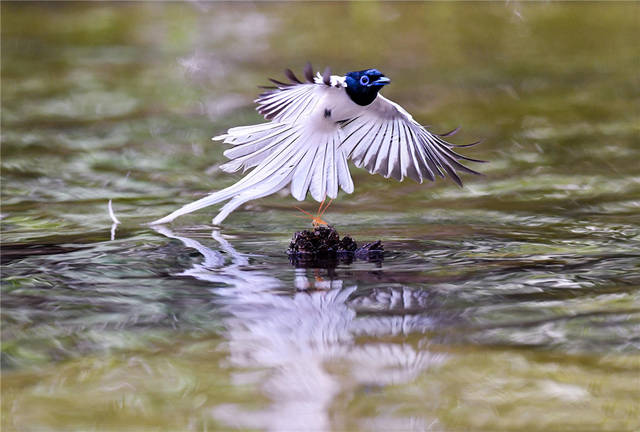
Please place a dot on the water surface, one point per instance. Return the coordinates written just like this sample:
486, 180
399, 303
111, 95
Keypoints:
510, 304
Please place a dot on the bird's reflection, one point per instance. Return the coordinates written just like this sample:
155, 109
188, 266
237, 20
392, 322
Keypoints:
290, 346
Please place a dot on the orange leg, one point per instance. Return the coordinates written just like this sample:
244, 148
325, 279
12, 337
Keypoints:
317, 219
321, 210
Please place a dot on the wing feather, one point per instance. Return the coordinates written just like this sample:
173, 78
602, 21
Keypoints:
394, 165
251, 154
251, 143
432, 159
357, 150
292, 77
290, 102
308, 72
414, 170
419, 164
383, 155
406, 160
374, 148
400, 147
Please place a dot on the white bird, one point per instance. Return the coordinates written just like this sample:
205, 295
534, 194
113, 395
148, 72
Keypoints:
314, 127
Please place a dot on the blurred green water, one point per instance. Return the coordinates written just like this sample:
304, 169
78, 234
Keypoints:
511, 304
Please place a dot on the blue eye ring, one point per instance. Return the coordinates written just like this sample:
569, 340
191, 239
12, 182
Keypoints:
364, 80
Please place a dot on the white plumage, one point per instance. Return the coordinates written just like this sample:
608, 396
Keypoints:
313, 128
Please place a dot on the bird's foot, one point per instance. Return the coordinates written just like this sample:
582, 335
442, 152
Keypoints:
317, 220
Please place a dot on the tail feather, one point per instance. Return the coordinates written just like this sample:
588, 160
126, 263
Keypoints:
309, 161
272, 186
214, 198
317, 186
303, 175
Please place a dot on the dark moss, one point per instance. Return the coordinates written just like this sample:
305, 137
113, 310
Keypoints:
323, 247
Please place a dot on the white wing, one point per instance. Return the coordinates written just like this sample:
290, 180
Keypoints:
386, 140
287, 103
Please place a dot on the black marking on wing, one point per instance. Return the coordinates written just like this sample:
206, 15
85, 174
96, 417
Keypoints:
450, 133
326, 76
279, 83
308, 72
346, 122
289, 73
467, 145
444, 158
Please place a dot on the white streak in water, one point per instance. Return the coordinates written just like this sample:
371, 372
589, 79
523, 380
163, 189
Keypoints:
112, 215
115, 220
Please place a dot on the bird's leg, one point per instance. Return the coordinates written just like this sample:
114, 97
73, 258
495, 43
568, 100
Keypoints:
316, 220
321, 210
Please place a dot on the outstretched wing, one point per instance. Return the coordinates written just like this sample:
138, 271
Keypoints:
286, 103
386, 140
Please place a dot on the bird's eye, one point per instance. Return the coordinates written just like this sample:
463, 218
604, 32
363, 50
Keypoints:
364, 80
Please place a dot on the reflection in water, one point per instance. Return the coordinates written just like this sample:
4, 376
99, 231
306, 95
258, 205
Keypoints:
287, 344
114, 219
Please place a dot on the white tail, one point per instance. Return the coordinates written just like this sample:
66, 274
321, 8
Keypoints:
281, 154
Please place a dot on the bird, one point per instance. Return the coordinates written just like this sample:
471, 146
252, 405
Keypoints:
313, 128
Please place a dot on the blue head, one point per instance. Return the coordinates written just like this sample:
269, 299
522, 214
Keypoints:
363, 86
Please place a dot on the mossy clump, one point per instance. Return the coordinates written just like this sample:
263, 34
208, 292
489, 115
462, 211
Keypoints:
322, 247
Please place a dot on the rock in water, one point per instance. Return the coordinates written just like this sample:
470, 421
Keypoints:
323, 247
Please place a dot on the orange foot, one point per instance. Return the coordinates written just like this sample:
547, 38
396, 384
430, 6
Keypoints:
316, 220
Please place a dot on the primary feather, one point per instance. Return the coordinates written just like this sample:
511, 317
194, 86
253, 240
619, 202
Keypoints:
313, 128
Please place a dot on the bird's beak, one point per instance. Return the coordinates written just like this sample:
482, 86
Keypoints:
382, 81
